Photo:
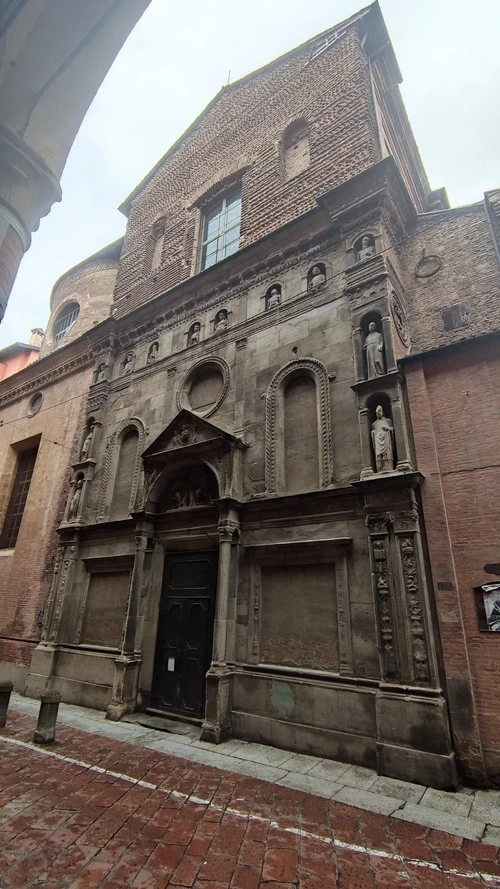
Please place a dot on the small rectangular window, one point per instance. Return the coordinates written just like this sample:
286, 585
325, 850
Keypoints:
221, 230
18, 497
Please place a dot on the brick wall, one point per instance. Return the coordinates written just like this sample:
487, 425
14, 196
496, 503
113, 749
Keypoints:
241, 135
469, 275
26, 570
455, 407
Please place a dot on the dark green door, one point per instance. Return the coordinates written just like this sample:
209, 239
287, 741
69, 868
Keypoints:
185, 626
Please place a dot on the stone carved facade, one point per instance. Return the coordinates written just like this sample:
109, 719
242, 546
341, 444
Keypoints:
304, 607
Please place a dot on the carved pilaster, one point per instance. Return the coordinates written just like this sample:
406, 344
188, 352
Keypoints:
365, 438
382, 583
405, 526
63, 570
357, 344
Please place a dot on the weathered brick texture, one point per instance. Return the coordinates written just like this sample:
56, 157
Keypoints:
240, 135
455, 409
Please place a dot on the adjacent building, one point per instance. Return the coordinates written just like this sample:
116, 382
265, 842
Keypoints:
245, 412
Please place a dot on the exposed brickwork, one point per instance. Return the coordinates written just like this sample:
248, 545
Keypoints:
454, 404
469, 274
242, 131
26, 571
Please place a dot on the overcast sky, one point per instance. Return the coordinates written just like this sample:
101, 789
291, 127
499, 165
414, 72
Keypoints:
178, 57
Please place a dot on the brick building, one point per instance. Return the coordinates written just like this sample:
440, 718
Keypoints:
243, 542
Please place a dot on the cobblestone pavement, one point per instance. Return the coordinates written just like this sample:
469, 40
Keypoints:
97, 811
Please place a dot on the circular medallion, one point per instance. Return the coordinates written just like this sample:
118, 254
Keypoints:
428, 266
204, 387
400, 319
35, 404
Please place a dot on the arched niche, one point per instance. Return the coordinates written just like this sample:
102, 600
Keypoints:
316, 276
125, 446
273, 296
298, 368
295, 149
373, 402
376, 365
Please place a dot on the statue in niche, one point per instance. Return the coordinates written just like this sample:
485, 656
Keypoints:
152, 353
317, 279
274, 298
87, 443
382, 439
367, 249
221, 321
194, 334
191, 490
74, 506
128, 363
374, 348
101, 373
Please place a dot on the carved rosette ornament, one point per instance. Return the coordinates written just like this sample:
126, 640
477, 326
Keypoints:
381, 579
398, 312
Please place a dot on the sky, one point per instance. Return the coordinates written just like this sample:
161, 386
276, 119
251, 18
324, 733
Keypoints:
178, 57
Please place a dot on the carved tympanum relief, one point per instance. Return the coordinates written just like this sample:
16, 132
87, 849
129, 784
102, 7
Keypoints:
194, 486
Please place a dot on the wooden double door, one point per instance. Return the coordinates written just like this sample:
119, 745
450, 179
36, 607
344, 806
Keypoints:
185, 630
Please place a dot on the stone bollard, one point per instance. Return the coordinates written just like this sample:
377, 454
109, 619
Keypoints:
5, 690
45, 731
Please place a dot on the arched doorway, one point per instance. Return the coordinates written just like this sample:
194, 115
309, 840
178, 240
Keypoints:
183, 650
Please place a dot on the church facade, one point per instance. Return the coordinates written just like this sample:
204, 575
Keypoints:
243, 540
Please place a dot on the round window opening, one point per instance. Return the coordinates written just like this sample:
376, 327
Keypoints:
204, 387
65, 319
35, 404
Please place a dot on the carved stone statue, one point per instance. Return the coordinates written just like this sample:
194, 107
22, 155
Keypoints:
367, 249
185, 434
74, 506
128, 363
274, 298
382, 438
101, 373
318, 279
221, 321
153, 353
87, 444
194, 334
374, 348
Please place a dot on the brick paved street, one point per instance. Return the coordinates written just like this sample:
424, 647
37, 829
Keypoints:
94, 811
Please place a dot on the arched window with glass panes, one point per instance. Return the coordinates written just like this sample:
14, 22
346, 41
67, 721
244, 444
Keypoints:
65, 319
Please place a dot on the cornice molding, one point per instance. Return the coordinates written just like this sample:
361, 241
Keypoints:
49, 378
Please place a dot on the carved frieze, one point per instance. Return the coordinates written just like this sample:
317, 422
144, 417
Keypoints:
381, 576
411, 580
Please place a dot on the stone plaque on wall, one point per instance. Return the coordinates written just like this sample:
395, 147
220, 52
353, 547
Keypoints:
299, 616
105, 609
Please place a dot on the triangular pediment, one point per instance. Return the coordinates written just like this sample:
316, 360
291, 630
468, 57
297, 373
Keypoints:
187, 431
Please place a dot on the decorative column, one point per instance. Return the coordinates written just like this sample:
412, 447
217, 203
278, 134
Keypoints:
357, 345
365, 439
128, 663
44, 660
383, 595
217, 724
390, 357
402, 445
